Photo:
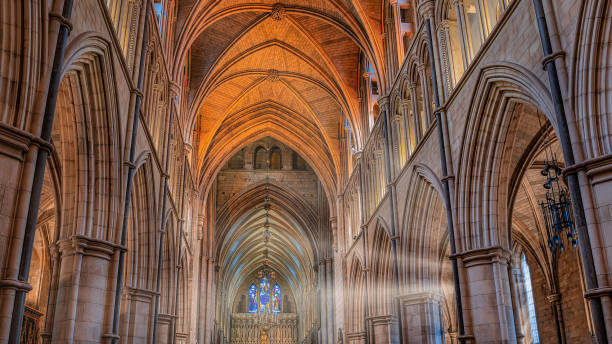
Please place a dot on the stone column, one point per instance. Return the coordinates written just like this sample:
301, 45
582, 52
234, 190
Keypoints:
53, 289
406, 104
249, 164
83, 282
515, 282
384, 329
427, 100
330, 300
426, 9
137, 316
203, 294
415, 113
461, 29
210, 306
488, 295
286, 159
323, 300
555, 303
446, 57
422, 318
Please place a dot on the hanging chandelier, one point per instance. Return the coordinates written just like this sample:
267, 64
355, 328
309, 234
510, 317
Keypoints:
556, 208
266, 271
265, 318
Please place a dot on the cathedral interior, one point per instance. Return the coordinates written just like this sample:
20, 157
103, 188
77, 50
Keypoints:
305, 171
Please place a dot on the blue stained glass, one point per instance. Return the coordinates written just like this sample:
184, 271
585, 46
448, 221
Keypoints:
276, 299
159, 10
530, 301
264, 295
253, 298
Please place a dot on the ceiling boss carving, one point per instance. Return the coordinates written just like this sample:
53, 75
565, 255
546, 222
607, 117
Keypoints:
278, 12
273, 75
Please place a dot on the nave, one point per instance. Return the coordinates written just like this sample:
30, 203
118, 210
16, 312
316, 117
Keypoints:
305, 171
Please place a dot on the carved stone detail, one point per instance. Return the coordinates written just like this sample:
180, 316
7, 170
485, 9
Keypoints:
278, 12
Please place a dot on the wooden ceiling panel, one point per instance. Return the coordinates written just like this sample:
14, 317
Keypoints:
214, 40
275, 32
341, 49
300, 58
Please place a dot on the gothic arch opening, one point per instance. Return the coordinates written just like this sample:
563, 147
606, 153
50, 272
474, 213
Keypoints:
514, 229
271, 232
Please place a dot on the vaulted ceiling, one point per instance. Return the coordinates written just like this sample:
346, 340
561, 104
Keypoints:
240, 243
289, 71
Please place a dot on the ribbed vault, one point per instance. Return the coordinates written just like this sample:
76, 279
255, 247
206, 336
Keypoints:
292, 69
240, 244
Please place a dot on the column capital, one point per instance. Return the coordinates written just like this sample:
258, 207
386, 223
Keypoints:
382, 319
420, 298
480, 256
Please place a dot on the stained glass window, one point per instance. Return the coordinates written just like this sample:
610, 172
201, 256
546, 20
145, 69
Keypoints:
253, 298
530, 301
158, 5
276, 299
264, 295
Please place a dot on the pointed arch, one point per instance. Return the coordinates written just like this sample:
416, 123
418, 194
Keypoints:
500, 90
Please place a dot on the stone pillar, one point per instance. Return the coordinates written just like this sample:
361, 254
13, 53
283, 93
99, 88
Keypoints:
426, 9
427, 98
422, 318
210, 306
53, 289
488, 295
286, 159
322, 300
406, 105
338, 295
136, 317
330, 300
383, 329
515, 282
203, 293
82, 290
249, 164
415, 113
555, 303
463, 34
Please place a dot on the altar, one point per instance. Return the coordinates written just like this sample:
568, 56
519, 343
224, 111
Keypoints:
248, 328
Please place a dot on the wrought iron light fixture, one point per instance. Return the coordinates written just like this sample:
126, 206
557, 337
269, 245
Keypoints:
556, 208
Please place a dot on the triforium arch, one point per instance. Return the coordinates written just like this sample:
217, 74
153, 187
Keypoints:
316, 171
